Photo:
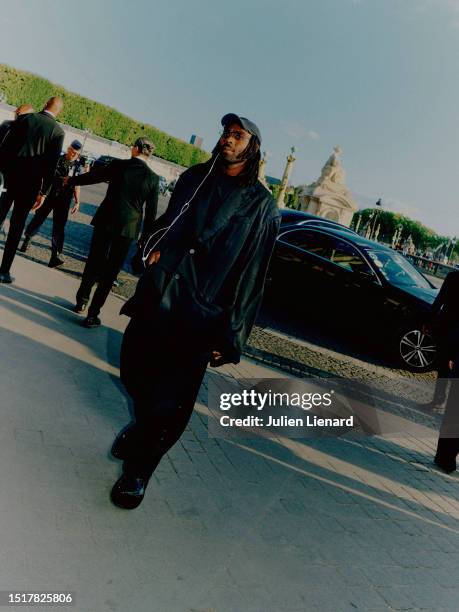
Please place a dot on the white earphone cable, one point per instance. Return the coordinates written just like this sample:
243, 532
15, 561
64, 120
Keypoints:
165, 230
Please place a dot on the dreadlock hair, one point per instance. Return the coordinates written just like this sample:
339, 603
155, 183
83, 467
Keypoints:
251, 155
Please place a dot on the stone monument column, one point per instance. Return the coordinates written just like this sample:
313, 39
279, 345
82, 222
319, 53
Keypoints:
284, 184
262, 169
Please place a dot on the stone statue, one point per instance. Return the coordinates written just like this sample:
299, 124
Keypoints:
333, 170
328, 196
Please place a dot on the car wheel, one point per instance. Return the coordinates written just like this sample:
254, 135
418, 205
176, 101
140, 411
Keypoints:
417, 349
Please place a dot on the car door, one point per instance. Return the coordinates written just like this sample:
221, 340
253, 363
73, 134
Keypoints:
298, 263
352, 287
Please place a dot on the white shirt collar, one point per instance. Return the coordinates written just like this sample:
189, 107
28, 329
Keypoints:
48, 112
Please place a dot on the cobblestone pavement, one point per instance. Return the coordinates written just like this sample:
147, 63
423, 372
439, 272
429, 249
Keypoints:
240, 525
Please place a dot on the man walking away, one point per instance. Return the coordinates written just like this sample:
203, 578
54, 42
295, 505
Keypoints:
117, 222
5, 127
28, 158
58, 201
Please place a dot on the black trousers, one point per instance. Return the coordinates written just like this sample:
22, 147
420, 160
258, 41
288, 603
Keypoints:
448, 442
163, 375
59, 205
22, 191
106, 256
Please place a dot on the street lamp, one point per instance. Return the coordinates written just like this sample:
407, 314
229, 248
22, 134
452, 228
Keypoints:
453, 244
375, 217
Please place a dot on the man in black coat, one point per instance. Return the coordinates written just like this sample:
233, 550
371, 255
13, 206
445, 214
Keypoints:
117, 222
28, 159
5, 126
197, 300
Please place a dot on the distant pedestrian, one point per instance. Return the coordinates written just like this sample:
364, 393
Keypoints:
448, 441
197, 300
445, 318
58, 201
117, 222
28, 159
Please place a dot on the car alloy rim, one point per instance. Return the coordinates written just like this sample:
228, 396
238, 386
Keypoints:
417, 349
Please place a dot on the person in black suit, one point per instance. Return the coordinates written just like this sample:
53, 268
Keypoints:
117, 222
23, 109
445, 318
445, 323
28, 159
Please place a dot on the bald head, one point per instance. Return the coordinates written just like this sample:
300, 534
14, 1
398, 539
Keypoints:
24, 109
54, 105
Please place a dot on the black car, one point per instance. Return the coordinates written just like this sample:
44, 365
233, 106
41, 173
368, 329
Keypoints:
103, 160
357, 282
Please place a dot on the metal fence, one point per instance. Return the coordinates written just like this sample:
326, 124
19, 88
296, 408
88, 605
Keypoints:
435, 268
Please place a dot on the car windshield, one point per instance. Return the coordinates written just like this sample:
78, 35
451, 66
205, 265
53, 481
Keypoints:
398, 270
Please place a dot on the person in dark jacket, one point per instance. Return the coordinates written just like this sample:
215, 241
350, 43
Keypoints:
117, 222
22, 110
5, 126
58, 202
28, 159
197, 300
445, 316
445, 311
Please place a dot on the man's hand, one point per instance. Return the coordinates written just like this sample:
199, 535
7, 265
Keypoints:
65, 181
450, 365
39, 201
216, 359
75, 208
153, 258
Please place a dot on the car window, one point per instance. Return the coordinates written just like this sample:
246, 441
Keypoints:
345, 255
316, 243
398, 270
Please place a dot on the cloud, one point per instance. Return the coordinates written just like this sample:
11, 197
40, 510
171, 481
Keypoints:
297, 131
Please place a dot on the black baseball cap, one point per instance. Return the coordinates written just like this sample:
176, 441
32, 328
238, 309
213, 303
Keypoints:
76, 144
245, 123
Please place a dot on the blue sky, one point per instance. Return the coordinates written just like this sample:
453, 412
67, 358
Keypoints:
378, 77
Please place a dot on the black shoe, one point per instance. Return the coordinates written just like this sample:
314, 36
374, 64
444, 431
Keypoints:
128, 492
55, 261
123, 444
91, 322
449, 468
80, 307
25, 245
5, 277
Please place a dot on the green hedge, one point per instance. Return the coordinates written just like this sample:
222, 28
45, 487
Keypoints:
22, 87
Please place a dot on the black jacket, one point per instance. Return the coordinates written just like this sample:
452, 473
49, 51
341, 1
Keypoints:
207, 287
5, 127
131, 183
445, 316
32, 148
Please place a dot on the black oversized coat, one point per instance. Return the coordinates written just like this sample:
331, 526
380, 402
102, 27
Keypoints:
207, 287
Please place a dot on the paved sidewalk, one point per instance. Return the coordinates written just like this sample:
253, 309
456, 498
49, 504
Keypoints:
226, 526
